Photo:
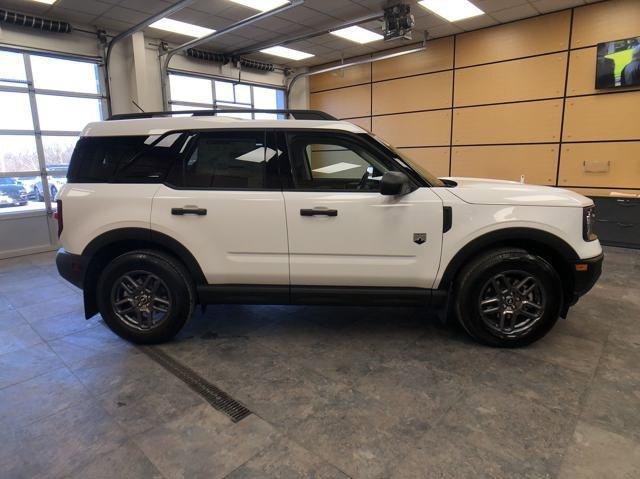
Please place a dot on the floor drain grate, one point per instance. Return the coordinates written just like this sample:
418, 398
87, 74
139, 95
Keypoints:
213, 395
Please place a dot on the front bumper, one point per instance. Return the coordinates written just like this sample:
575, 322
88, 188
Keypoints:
585, 274
71, 267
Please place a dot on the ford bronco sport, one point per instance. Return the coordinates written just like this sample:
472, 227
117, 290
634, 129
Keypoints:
162, 212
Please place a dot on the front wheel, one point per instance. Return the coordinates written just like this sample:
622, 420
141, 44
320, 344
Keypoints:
145, 296
508, 298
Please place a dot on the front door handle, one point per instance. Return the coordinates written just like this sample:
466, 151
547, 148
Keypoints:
188, 211
318, 212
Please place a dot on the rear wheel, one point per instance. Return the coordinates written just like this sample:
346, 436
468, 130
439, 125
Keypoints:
508, 297
145, 296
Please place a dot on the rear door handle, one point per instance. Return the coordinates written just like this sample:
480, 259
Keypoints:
188, 211
318, 212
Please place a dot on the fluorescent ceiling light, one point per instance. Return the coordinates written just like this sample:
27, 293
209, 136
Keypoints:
262, 5
285, 52
452, 10
357, 34
48, 2
182, 28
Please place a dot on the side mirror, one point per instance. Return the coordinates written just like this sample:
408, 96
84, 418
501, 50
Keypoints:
395, 183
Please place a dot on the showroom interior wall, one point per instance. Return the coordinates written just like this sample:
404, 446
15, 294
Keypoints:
505, 101
135, 76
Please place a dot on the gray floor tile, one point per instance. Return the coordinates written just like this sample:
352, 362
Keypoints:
63, 324
126, 462
17, 337
515, 428
204, 443
4, 304
37, 398
595, 453
68, 303
571, 352
27, 363
9, 319
31, 296
286, 460
69, 440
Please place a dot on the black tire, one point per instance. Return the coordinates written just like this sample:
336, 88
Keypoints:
475, 283
54, 192
176, 283
37, 195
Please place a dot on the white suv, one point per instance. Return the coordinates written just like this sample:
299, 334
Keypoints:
164, 212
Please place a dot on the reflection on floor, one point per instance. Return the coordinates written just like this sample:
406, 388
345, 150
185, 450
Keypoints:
335, 392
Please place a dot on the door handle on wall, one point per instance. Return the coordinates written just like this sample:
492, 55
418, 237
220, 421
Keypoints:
318, 212
188, 211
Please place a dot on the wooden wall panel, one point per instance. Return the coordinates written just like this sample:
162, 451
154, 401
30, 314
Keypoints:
602, 22
423, 92
362, 122
533, 36
435, 160
343, 103
414, 129
346, 77
538, 163
526, 79
608, 165
437, 56
602, 117
529, 122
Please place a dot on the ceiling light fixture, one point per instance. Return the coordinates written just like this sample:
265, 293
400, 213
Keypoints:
47, 2
183, 28
285, 52
357, 34
452, 10
262, 5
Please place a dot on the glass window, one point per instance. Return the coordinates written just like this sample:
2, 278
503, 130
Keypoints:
326, 162
58, 150
190, 89
17, 194
239, 160
64, 75
243, 94
266, 99
18, 153
178, 107
153, 161
15, 111
224, 91
12, 68
96, 159
63, 113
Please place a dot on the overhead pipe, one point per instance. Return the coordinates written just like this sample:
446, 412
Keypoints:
164, 64
306, 36
353, 63
134, 29
38, 23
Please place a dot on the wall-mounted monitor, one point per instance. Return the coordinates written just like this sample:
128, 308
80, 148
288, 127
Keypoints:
618, 63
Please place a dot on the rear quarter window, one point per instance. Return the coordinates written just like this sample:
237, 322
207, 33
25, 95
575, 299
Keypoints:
123, 159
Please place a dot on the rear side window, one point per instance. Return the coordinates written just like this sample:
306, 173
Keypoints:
228, 160
124, 159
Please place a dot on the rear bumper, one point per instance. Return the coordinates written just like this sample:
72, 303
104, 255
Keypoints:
71, 267
585, 274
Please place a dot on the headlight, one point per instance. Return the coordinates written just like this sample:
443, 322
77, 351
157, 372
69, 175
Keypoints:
589, 223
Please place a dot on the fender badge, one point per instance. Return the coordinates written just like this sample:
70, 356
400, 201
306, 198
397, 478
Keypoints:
419, 238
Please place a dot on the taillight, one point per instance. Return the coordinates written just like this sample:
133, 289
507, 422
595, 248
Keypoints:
58, 216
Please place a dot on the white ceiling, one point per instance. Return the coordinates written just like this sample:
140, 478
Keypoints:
118, 15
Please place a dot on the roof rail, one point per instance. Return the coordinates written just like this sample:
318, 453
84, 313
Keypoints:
295, 114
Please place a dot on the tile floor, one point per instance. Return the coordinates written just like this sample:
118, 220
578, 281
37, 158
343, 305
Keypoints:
336, 392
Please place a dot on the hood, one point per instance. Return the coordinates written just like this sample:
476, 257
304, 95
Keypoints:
501, 192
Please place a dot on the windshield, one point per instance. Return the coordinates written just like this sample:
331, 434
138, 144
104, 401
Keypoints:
421, 170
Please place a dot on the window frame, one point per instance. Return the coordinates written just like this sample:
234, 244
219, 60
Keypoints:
27, 87
373, 149
219, 103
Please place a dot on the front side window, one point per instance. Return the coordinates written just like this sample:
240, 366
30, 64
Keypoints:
332, 162
228, 160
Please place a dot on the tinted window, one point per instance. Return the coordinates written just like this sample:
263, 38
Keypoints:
233, 160
125, 159
334, 162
